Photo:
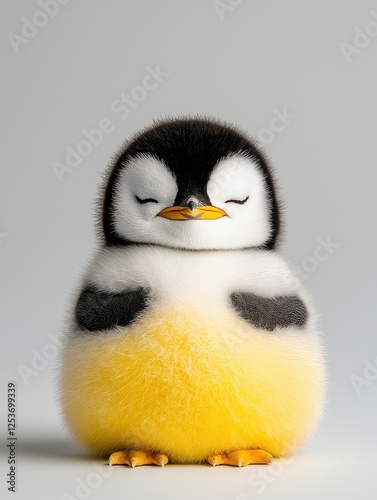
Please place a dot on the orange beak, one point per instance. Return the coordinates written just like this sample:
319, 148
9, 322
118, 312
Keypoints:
206, 212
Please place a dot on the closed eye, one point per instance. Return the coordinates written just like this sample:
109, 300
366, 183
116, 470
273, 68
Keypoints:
239, 202
146, 200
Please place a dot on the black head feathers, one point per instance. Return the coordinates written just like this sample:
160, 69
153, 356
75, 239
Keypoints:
190, 148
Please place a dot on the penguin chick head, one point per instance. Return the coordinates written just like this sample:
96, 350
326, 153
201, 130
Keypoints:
192, 184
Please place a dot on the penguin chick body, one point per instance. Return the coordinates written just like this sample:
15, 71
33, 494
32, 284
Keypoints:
191, 338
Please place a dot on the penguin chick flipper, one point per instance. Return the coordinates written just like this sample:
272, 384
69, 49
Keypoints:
98, 310
240, 458
270, 313
134, 458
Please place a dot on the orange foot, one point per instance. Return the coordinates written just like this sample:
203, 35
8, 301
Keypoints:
240, 458
134, 458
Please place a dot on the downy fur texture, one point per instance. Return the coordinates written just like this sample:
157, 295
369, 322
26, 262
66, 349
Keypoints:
189, 372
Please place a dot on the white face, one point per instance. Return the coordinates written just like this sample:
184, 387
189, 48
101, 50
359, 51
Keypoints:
234, 179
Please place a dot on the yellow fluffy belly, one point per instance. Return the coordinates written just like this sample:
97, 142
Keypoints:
190, 386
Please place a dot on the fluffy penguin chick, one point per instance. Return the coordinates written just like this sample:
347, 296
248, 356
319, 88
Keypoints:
190, 339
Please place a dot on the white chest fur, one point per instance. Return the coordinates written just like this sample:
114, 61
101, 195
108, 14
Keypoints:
203, 279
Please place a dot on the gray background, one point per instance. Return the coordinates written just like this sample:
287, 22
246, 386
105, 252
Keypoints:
263, 55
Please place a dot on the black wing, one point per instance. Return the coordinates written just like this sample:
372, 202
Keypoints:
97, 310
270, 313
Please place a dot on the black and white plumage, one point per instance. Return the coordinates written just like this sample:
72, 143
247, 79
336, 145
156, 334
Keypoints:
170, 164
190, 224
178, 159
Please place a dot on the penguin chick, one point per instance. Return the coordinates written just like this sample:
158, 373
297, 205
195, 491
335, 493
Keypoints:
191, 339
